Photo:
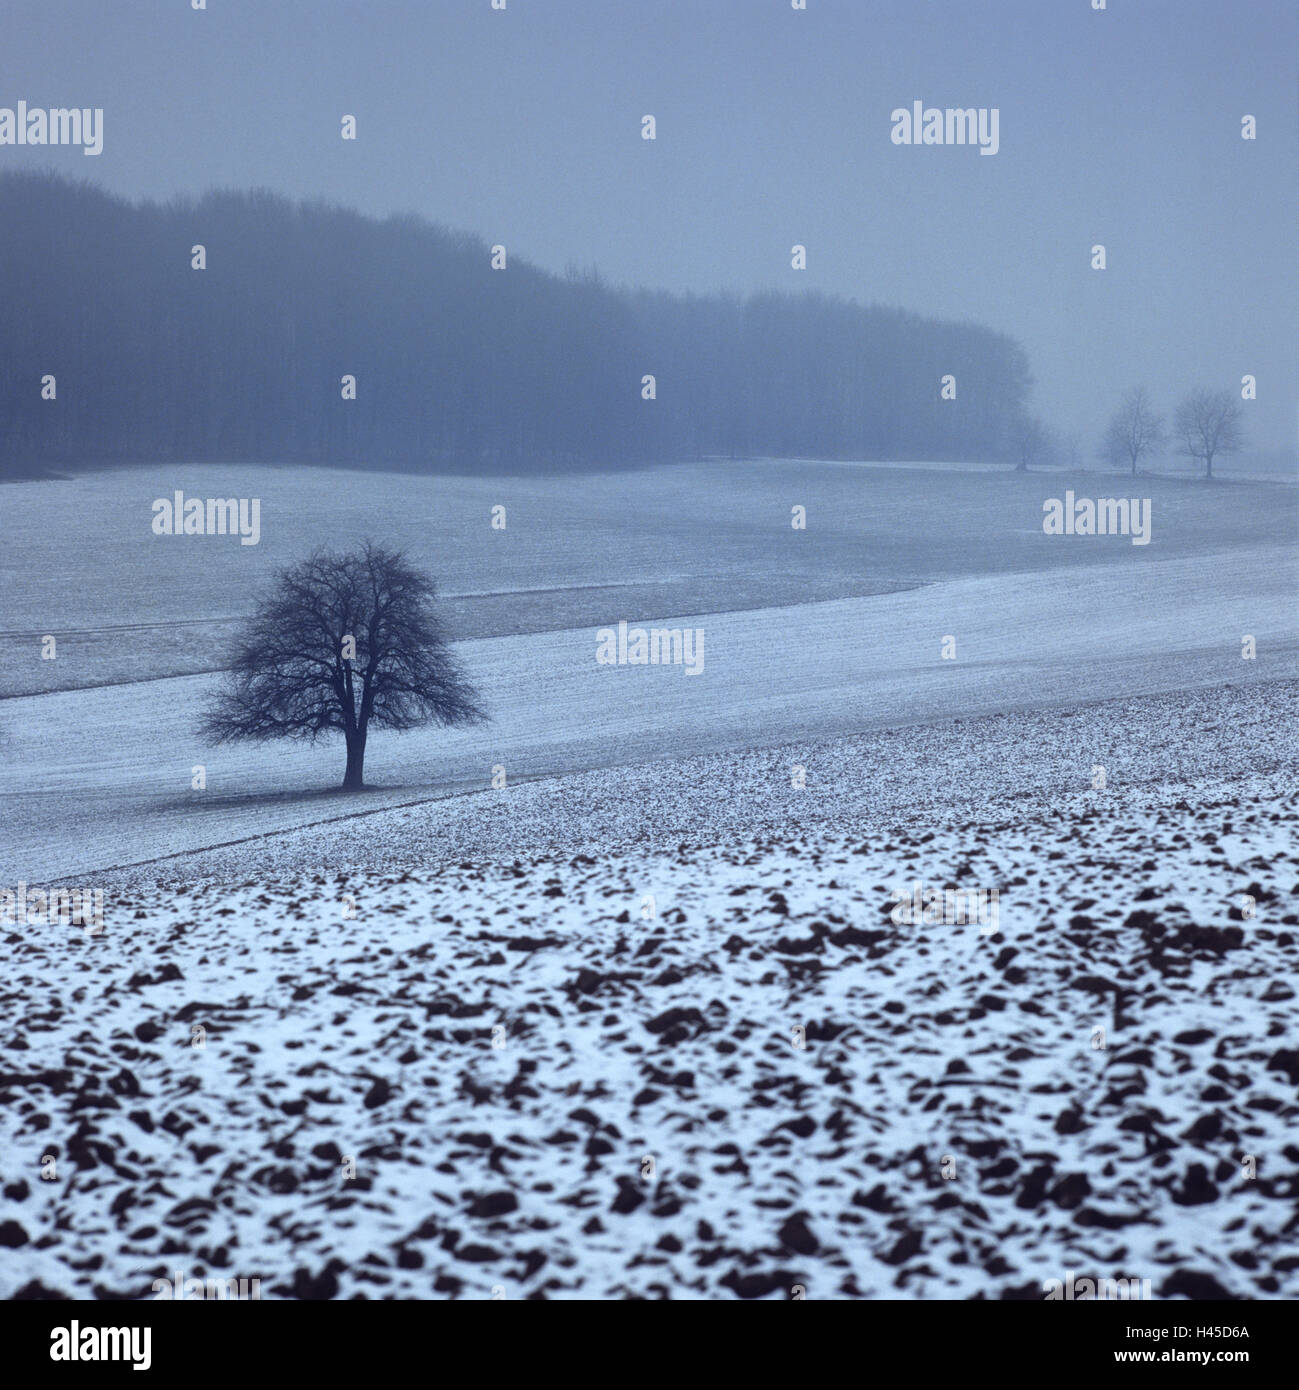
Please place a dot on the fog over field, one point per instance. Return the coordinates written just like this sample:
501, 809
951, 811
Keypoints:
648, 653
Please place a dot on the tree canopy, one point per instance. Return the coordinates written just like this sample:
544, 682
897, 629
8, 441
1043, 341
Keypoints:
340, 642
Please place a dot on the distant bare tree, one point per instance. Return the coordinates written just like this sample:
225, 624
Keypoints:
340, 642
1135, 430
1208, 424
1030, 442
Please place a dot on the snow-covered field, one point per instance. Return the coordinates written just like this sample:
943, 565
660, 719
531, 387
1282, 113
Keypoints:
94, 779
577, 1077
81, 562
1185, 745
539, 1039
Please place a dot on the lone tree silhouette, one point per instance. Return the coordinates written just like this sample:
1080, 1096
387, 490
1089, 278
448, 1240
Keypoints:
1135, 430
1208, 424
340, 642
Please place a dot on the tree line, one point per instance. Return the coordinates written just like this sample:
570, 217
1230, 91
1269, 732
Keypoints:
113, 345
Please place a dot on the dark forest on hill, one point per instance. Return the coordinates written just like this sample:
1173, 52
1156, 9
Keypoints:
458, 366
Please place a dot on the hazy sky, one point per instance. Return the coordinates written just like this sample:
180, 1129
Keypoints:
1120, 127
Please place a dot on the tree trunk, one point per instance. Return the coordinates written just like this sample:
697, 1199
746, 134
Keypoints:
1208, 465
352, 778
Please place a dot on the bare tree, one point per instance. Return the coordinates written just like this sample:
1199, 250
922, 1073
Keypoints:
1135, 430
1030, 441
1208, 424
340, 642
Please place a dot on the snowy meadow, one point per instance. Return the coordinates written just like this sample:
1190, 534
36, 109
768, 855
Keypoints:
611, 996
